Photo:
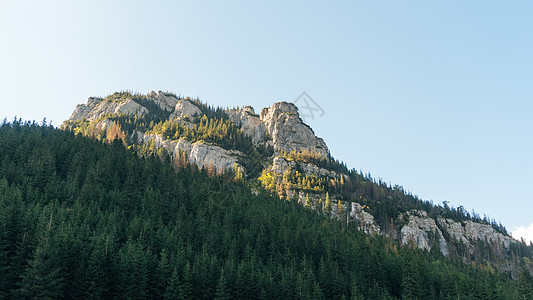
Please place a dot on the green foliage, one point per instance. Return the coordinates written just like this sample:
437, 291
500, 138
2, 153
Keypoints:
221, 132
83, 219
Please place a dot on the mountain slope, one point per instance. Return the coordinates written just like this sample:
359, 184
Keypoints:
277, 152
81, 219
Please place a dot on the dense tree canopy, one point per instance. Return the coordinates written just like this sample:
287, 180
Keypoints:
83, 219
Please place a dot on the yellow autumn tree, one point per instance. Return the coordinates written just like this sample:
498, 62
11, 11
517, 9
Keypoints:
328, 204
307, 201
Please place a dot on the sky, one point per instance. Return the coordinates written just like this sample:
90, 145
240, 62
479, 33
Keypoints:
433, 96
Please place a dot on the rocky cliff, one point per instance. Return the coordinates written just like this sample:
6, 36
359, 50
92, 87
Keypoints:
298, 166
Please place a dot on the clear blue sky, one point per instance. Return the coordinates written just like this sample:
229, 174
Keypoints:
433, 96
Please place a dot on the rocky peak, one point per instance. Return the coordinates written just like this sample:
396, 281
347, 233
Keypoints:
249, 122
97, 107
164, 100
287, 130
278, 108
184, 108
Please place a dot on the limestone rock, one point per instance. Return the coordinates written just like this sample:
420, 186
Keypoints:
203, 155
249, 122
419, 231
469, 231
165, 101
280, 165
198, 153
97, 107
287, 130
364, 219
185, 108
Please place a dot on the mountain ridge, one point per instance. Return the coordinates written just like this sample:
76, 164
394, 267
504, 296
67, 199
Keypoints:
276, 151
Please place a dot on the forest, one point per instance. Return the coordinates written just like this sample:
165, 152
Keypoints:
84, 219
387, 203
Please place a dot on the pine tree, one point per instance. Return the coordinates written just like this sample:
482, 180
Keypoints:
163, 272
4, 280
185, 286
173, 289
307, 201
222, 288
355, 291
43, 277
327, 208
96, 274
340, 210
211, 170
237, 170
525, 283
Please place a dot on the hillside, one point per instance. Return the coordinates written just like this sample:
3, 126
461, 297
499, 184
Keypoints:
85, 219
277, 152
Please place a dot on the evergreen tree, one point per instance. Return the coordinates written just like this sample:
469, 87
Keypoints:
43, 276
4, 280
98, 221
327, 208
222, 288
525, 283
174, 288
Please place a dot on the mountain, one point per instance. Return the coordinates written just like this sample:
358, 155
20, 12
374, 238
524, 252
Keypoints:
277, 152
82, 219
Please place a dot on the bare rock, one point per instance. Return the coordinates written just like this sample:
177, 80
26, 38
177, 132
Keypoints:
203, 155
287, 130
97, 107
469, 231
419, 231
165, 101
364, 219
198, 153
185, 108
249, 122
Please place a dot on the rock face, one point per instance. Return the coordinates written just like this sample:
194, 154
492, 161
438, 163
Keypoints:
184, 108
97, 107
425, 233
203, 155
165, 101
199, 153
288, 132
472, 231
364, 219
422, 231
280, 165
249, 122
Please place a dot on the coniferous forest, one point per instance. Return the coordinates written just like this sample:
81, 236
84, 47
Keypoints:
84, 219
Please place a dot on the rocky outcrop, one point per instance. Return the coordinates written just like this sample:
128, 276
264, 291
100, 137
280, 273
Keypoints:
469, 231
363, 219
203, 155
98, 107
249, 122
280, 128
199, 153
280, 165
164, 100
184, 108
422, 231
288, 132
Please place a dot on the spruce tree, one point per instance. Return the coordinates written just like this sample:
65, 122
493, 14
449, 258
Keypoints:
222, 288
525, 283
43, 278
